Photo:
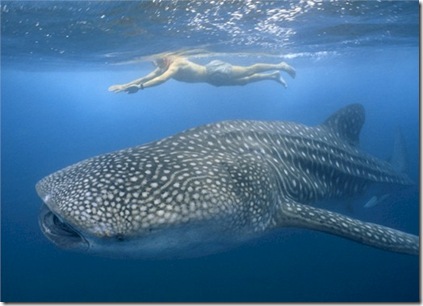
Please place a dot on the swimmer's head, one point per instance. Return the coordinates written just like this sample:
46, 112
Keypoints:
163, 62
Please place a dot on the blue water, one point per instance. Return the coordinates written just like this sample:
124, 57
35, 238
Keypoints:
59, 58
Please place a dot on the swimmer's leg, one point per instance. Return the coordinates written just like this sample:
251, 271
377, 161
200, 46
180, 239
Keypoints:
245, 71
288, 69
259, 77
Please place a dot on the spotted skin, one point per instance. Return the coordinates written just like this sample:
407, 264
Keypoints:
221, 184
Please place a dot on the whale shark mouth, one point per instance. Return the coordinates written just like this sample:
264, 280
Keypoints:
59, 232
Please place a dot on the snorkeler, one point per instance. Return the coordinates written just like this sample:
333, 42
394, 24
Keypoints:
217, 73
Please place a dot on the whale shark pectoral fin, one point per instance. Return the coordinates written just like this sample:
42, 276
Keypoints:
378, 236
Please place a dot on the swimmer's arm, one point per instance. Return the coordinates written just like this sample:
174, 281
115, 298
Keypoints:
146, 78
135, 83
161, 78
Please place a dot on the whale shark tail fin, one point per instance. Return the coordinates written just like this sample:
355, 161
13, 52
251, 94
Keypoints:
346, 123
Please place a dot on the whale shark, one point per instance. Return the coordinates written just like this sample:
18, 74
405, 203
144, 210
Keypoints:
216, 186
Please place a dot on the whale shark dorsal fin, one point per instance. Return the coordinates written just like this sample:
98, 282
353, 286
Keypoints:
398, 159
346, 123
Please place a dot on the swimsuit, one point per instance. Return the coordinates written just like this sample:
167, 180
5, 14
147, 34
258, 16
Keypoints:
219, 73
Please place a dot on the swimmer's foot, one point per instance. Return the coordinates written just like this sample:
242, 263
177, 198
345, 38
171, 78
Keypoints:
280, 80
285, 67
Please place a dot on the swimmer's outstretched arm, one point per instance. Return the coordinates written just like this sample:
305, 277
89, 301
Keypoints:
134, 85
161, 78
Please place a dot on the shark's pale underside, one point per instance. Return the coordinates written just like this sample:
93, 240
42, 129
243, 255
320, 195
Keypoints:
215, 186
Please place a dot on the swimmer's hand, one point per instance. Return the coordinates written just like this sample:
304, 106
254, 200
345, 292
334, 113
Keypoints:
132, 89
128, 88
116, 88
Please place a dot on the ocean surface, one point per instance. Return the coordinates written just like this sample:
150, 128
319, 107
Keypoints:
58, 60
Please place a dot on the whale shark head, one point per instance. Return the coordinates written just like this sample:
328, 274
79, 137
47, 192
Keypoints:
143, 201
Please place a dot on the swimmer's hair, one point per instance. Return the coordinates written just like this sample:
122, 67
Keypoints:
161, 61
